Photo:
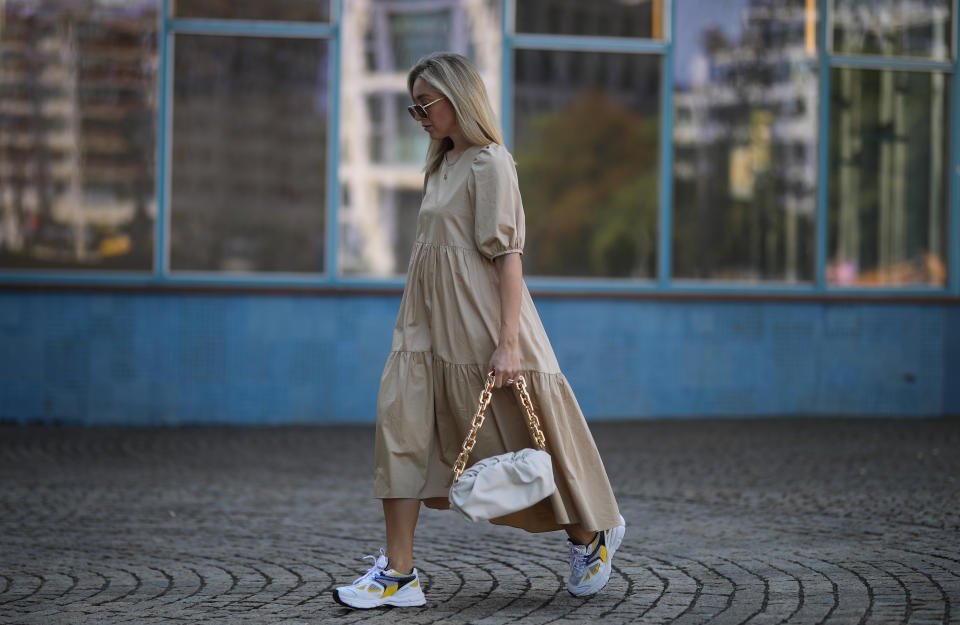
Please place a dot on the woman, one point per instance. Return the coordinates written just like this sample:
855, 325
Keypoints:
466, 311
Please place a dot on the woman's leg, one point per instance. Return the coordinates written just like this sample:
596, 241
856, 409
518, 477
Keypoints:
578, 535
401, 517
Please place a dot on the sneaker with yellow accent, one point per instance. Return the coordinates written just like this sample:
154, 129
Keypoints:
381, 586
590, 565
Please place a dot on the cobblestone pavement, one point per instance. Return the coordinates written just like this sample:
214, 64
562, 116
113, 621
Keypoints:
734, 521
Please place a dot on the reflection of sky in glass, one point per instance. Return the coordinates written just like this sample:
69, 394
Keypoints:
693, 17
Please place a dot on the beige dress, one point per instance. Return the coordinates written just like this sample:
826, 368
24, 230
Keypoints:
447, 329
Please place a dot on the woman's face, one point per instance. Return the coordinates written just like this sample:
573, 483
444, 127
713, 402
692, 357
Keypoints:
441, 120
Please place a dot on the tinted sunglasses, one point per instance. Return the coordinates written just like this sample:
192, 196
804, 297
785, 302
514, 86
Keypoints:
420, 110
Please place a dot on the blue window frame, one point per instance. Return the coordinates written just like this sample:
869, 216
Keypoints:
511, 42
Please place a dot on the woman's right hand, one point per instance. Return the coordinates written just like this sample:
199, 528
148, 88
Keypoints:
505, 365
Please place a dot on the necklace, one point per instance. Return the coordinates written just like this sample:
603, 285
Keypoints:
447, 164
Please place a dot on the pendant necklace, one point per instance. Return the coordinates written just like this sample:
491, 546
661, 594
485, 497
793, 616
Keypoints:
447, 165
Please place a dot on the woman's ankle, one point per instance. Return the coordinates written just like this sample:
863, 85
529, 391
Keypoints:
404, 568
580, 536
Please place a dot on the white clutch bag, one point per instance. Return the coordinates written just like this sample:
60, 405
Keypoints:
506, 483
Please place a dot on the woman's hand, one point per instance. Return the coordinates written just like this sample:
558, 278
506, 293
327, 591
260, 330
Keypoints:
505, 363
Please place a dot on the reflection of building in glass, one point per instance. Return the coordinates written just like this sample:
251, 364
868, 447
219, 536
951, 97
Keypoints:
249, 142
897, 28
610, 18
285, 10
890, 213
382, 149
749, 118
888, 178
546, 82
77, 115
549, 81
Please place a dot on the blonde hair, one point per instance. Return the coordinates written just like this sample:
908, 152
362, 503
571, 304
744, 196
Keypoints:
457, 79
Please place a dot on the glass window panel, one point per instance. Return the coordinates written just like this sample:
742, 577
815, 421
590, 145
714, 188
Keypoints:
397, 36
286, 10
745, 148
586, 136
888, 178
910, 28
609, 18
248, 179
382, 148
393, 138
77, 135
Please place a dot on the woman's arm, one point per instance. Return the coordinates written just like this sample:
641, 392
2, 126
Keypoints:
506, 358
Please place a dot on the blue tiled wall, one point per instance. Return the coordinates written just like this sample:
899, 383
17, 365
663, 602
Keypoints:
951, 361
164, 358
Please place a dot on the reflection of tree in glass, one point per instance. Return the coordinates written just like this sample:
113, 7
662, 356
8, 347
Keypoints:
588, 175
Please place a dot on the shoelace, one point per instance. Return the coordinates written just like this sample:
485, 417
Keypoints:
578, 557
379, 565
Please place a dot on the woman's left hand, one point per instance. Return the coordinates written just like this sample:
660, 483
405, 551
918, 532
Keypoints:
505, 363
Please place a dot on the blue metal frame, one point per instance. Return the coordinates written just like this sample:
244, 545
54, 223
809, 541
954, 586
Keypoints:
879, 62
665, 216
664, 282
331, 257
584, 43
506, 71
161, 256
953, 229
251, 28
823, 147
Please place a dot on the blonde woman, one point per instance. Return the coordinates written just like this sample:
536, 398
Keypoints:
466, 311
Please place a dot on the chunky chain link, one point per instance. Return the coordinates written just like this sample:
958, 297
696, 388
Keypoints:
485, 396
532, 421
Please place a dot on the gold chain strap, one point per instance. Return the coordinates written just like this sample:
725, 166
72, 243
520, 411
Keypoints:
532, 421
485, 396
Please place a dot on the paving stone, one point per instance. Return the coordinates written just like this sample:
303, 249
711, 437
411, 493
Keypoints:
734, 521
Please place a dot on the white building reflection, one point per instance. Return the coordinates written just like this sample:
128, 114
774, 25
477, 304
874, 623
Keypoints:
751, 109
382, 149
76, 133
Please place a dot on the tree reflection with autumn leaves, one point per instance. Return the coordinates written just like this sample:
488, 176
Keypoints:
588, 175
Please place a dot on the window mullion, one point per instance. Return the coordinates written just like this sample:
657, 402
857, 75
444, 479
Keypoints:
665, 216
953, 228
823, 148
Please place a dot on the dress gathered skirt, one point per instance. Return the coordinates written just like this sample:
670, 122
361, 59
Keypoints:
447, 328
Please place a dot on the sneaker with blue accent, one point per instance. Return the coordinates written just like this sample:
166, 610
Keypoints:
381, 586
590, 565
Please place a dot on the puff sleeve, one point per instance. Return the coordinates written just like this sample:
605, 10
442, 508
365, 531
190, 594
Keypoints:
499, 226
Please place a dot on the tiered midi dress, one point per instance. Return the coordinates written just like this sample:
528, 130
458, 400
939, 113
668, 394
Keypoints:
447, 329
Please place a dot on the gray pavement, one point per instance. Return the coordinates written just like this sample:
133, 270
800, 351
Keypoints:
736, 521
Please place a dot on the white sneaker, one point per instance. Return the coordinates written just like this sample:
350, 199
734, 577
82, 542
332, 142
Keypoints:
380, 586
590, 565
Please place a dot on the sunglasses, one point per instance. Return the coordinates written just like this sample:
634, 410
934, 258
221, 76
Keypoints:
420, 110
